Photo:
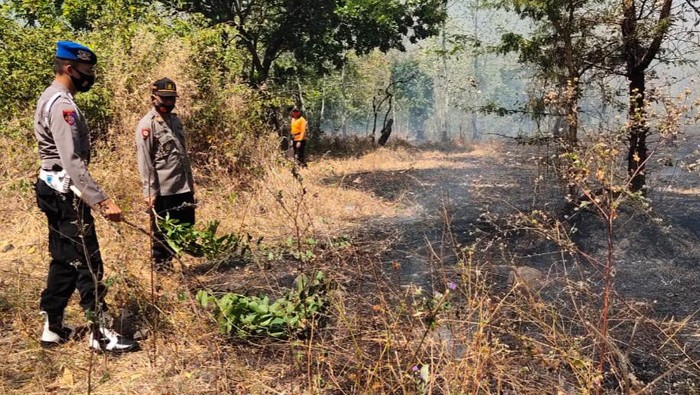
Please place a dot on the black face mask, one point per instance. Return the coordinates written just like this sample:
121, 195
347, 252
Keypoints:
165, 108
162, 107
84, 82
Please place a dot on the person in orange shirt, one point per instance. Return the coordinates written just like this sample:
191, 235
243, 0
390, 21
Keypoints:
298, 128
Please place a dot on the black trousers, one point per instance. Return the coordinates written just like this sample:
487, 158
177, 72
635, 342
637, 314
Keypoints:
180, 207
299, 152
75, 253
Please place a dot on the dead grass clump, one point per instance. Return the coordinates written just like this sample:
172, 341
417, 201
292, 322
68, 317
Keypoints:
462, 339
336, 146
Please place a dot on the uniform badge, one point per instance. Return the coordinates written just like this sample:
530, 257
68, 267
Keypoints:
70, 117
145, 132
83, 55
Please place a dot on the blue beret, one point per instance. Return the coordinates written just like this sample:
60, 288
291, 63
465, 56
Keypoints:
69, 50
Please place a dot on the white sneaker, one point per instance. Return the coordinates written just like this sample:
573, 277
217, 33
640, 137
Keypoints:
105, 339
56, 332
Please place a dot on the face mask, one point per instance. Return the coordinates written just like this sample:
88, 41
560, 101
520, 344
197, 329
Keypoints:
162, 107
84, 82
165, 108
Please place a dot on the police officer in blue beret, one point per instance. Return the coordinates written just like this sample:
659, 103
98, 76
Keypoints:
66, 192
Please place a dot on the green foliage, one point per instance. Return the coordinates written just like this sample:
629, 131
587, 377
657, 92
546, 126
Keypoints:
29, 31
112, 281
25, 67
317, 34
306, 252
370, 24
564, 45
33, 13
135, 43
289, 316
228, 116
201, 243
414, 91
341, 242
346, 95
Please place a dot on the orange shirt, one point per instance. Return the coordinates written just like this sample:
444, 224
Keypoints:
299, 129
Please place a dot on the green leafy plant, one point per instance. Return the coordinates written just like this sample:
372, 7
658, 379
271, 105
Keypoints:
201, 243
306, 251
341, 242
291, 315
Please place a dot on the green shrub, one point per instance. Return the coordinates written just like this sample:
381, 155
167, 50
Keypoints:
201, 243
291, 315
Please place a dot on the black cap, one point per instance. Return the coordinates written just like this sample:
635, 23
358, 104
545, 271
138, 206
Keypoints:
164, 87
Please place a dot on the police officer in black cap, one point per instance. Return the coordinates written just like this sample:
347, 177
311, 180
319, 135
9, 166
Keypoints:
66, 192
164, 166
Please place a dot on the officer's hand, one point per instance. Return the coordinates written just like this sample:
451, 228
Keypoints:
298, 144
110, 210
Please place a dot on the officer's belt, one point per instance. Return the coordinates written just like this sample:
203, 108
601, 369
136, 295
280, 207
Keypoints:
58, 180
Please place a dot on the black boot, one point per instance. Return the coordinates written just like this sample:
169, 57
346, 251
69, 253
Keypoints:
102, 338
55, 332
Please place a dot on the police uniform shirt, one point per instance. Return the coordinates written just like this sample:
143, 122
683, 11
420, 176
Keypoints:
65, 140
162, 159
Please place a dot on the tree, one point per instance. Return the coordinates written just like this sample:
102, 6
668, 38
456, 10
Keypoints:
565, 44
347, 94
649, 32
78, 15
318, 33
640, 46
414, 93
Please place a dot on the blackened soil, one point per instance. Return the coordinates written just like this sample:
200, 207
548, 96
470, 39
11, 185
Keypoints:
656, 249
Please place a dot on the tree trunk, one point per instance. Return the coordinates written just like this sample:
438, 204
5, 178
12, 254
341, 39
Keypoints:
386, 132
323, 105
637, 154
572, 111
476, 133
343, 104
638, 59
445, 82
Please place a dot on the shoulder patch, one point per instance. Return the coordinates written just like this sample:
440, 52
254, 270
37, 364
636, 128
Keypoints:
145, 132
70, 116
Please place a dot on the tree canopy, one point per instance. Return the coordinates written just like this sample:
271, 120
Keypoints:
317, 33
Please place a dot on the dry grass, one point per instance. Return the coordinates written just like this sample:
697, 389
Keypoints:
188, 355
511, 340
